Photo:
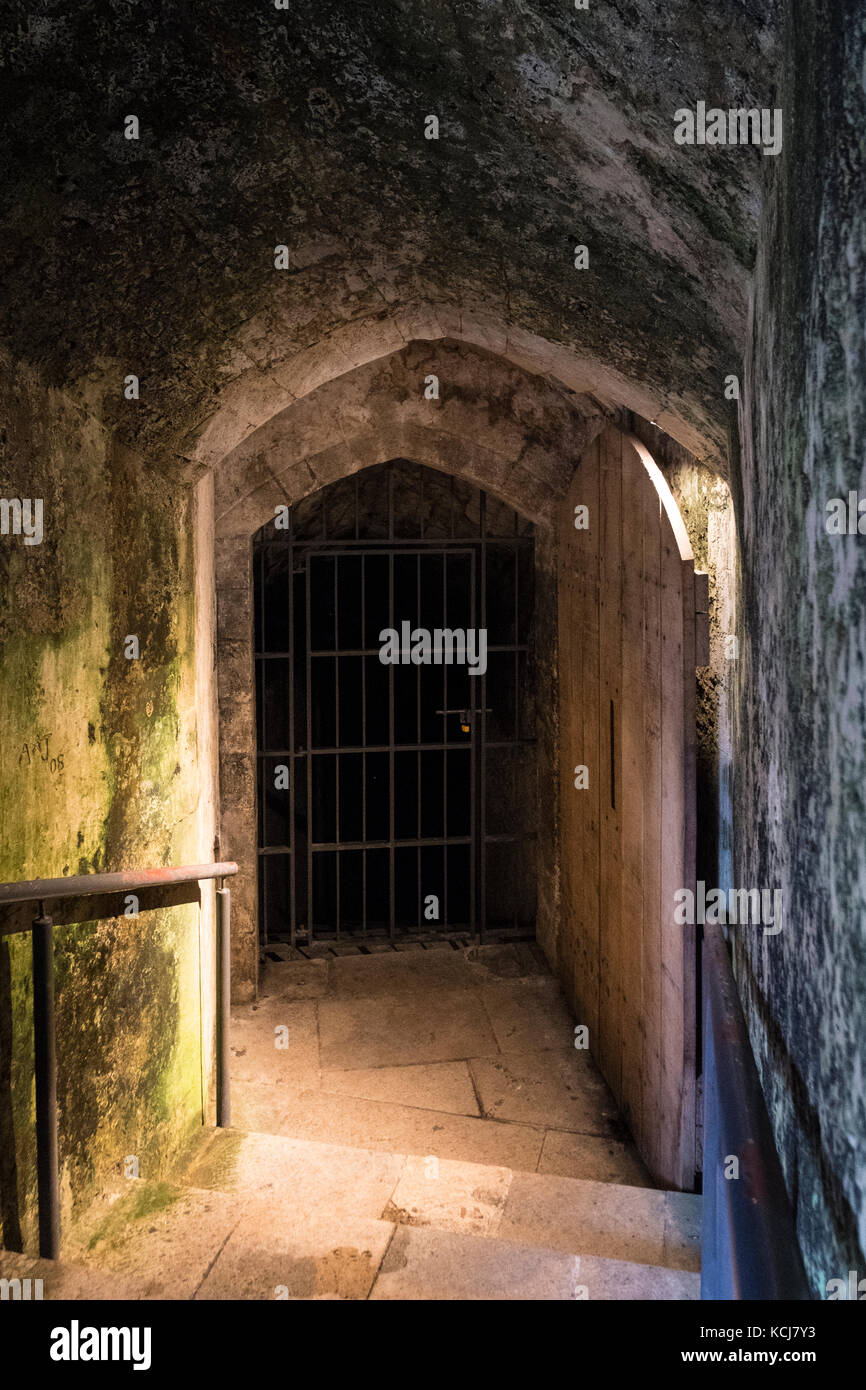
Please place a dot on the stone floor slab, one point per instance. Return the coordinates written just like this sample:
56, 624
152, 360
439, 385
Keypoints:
405, 1129
396, 1030
529, 1014
258, 1108
294, 979
430, 1086
594, 1158
557, 1088
399, 972
450, 1196
275, 1042
509, 961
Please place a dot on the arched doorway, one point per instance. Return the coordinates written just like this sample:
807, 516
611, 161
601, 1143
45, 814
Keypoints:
395, 711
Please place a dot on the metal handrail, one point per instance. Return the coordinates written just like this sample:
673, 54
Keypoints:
34, 890
749, 1239
42, 890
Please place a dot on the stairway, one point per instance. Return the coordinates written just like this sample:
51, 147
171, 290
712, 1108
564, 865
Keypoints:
263, 1216
328, 1188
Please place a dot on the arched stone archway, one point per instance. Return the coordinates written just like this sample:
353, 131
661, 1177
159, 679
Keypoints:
516, 437
489, 420
284, 378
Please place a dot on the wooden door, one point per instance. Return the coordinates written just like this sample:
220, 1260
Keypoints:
627, 615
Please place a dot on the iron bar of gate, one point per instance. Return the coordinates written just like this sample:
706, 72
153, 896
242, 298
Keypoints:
382, 747
374, 651
293, 756
400, 842
749, 1242
408, 747
382, 546
261, 683
392, 757
338, 667
392, 932
434, 841
308, 764
44, 1019
476, 761
363, 660
420, 894
445, 857
481, 738
518, 710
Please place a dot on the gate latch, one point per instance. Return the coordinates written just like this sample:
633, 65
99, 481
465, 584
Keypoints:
465, 716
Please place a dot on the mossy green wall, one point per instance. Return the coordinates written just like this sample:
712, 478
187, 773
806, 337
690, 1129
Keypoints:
101, 770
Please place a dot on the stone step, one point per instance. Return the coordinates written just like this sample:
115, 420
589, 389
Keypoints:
430, 1264
183, 1243
329, 1182
364, 1260
261, 1216
31, 1279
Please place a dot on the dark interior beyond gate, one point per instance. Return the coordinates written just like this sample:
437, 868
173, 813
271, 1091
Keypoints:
395, 800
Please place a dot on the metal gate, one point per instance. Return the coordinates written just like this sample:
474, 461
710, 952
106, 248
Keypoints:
390, 793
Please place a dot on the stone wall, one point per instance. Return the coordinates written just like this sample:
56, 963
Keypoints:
800, 709
305, 126
105, 767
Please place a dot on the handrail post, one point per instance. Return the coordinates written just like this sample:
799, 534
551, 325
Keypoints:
223, 1003
69, 889
45, 1057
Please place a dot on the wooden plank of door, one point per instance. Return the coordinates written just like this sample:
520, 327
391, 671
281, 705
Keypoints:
690, 591
570, 750
589, 887
612, 935
651, 946
673, 819
579, 735
632, 724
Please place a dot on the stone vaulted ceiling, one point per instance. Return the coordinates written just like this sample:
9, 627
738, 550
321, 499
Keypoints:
305, 126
